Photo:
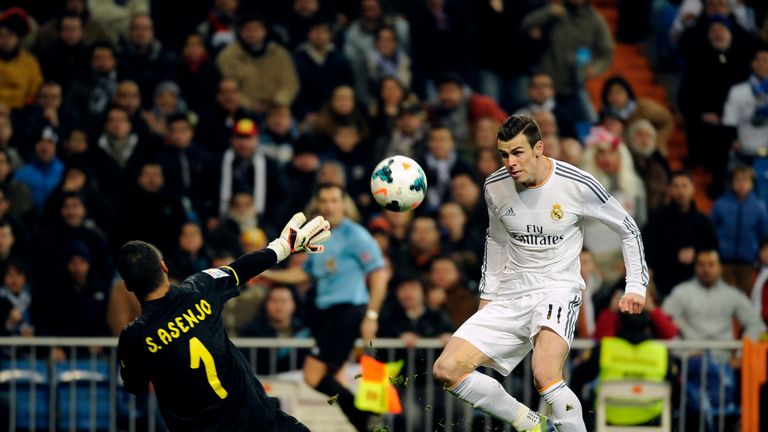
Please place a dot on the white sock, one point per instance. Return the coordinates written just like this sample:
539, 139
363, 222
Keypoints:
487, 395
566, 408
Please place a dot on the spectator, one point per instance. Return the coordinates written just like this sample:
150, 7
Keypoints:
459, 109
484, 134
707, 308
360, 40
198, 75
333, 172
487, 162
649, 164
541, 97
410, 319
321, 67
215, 128
447, 292
167, 102
218, 29
388, 59
158, 219
462, 243
609, 323
128, 97
20, 75
673, 235
17, 293
44, 172
143, 59
245, 168
280, 134
741, 221
17, 193
408, 135
91, 95
390, 95
186, 167
189, 257
117, 15
579, 47
619, 96
467, 194
296, 24
354, 154
423, 247
342, 108
119, 152
760, 287
693, 13
65, 58
441, 163
78, 178
547, 123
609, 161
265, 71
746, 109
278, 319
48, 110
726, 59
300, 174
93, 30
571, 151
499, 78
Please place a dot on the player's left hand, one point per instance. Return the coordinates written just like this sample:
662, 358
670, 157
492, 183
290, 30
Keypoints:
299, 237
631, 303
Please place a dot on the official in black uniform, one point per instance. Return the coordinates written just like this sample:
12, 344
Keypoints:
202, 382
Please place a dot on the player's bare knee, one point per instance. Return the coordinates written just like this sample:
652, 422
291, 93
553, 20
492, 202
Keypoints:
447, 370
544, 375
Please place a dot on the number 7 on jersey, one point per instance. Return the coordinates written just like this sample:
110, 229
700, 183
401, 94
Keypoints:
197, 352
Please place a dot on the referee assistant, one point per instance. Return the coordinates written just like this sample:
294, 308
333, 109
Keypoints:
344, 309
178, 343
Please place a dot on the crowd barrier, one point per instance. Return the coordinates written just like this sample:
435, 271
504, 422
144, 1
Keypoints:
85, 393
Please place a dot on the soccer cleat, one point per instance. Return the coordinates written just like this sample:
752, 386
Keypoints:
542, 426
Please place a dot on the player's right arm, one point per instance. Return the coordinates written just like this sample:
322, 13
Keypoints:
135, 379
494, 257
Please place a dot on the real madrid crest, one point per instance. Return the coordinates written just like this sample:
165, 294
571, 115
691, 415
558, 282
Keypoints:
557, 212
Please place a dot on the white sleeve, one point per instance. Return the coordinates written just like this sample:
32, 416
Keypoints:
599, 204
731, 109
495, 255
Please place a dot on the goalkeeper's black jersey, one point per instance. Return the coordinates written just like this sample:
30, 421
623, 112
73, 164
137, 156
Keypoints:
179, 344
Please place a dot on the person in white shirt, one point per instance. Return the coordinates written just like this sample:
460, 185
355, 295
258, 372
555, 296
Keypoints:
531, 285
746, 109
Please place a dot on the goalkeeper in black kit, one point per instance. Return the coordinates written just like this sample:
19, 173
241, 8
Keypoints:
178, 343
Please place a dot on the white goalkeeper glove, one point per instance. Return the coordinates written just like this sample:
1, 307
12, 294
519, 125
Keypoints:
295, 238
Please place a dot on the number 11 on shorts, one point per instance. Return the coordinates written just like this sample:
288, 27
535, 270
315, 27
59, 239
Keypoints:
197, 352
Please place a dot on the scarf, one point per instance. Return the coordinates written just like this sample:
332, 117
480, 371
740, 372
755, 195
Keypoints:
121, 150
547, 106
442, 167
104, 88
760, 91
385, 66
20, 302
259, 181
627, 110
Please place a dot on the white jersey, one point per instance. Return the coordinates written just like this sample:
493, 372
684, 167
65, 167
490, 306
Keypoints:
536, 234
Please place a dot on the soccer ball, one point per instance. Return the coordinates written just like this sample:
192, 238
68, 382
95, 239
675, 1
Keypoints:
398, 183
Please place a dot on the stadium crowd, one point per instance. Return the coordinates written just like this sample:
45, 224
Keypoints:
201, 126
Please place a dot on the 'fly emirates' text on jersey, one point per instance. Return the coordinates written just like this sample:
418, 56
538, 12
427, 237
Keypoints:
536, 233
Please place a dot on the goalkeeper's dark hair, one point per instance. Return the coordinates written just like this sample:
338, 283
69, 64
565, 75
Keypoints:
517, 124
139, 265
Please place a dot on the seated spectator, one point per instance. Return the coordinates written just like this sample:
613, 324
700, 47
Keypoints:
388, 59
128, 97
16, 294
245, 168
741, 221
484, 134
279, 135
215, 128
407, 137
673, 235
321, 67
300, 173
167, 102
467, 193
760, 287
20, 75
459, 109
619, 96
240, 218
218, 29
143, 59
388, 94
90, 95
351, 150
447, 292
571, 151
459, 241
423, 247
441, 163
189, 257
487, 162
65, 58
119, 152
547, 122
649, 164
48, 110
660, 325
79, 179
296, 21
265, 70
692, 13
278, 319
746, 109
45, 169
342, 108
93, 29
198, 75
115, 15
409, 318
541, 97
333, 172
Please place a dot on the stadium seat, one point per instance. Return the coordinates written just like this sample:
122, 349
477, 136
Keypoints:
84, 384
31, 388
633, 393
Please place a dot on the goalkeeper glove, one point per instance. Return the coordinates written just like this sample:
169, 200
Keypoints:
295, 238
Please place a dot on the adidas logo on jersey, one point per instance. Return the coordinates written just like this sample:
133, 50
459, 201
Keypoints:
508, 212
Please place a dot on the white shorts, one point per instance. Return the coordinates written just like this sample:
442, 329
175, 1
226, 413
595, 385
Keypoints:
504, 329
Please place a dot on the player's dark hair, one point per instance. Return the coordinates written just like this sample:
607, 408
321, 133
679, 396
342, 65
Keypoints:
139, 265
324, 186
517, 124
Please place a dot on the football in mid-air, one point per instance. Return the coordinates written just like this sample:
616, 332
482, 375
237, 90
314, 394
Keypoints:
398, 183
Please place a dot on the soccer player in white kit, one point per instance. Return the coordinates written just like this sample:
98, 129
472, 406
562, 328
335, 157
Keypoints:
531, 286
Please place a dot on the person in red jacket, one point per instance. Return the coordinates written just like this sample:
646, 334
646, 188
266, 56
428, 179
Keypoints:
609, 320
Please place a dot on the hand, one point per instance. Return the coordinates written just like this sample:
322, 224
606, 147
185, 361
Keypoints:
631, 303
368, 329
686, 255
52, 116
410, 339
295, 238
